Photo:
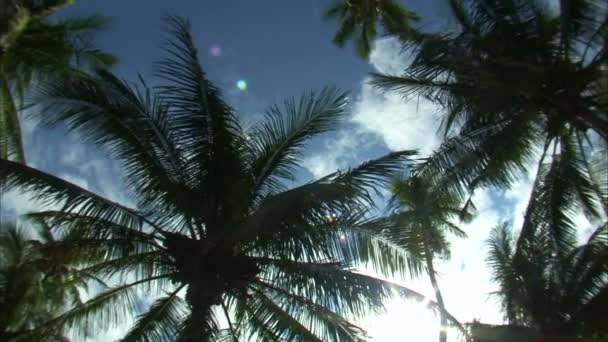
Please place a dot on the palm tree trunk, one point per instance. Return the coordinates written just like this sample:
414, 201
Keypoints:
443, 337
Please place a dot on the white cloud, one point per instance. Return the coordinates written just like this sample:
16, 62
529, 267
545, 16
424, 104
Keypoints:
337, 152
401, 123
380, 117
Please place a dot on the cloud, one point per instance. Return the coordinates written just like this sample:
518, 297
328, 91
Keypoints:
380, 120
338, 152
401, 123
465, 278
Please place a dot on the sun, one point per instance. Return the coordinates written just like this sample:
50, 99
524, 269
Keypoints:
403, 321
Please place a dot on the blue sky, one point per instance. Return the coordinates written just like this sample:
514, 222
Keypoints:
282, 48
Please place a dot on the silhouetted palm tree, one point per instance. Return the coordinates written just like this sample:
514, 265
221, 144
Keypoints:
358, 20
516, 81
547, 281
216, 233
34, 286
32, 47
560, 292
421, 217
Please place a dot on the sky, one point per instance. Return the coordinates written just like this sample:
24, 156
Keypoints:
278, 49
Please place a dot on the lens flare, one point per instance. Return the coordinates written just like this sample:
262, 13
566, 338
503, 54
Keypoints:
241, 84
215, 50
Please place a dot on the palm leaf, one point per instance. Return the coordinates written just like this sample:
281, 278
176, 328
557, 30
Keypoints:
10, 130
499, 260
201, 324
130, 123
319, 320
160, 322
336, 287
278, 141
107, 309
274, 318
480, 157
50, 189
211, 134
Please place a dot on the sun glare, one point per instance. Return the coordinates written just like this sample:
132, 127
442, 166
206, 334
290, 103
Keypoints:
403, 318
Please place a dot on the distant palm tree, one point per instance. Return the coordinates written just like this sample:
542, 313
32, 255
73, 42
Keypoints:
548, 282
32, 47
421, 217
358, 20
216, 233
517, 81
34, 286
561, 293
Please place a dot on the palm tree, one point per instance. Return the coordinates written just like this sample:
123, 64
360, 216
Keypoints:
421, 216
34, 286
31, 47
516, 81
15, 15
548, 282
216, 232
559, 293
358, 20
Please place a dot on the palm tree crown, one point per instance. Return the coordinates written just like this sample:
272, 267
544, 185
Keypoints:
514, 79
548, 281
216, 232
360, 17
560, 293
32, 47
421, 216
35, 286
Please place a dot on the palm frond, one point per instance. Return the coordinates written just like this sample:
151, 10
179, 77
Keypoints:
337, 8
358, 20
161, 321
73, 225
504, 271
374, 174
495, 155
347, 31
201, 324
250, 326
501, 252
10, 130
399, 21
210, 134
598, 172
563, 187
278, 141
388, 250
50, 190
336, 288
107, 309
589, 267
324, 323
579, 18
313, 213
277, 320
300, 207
129, 122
